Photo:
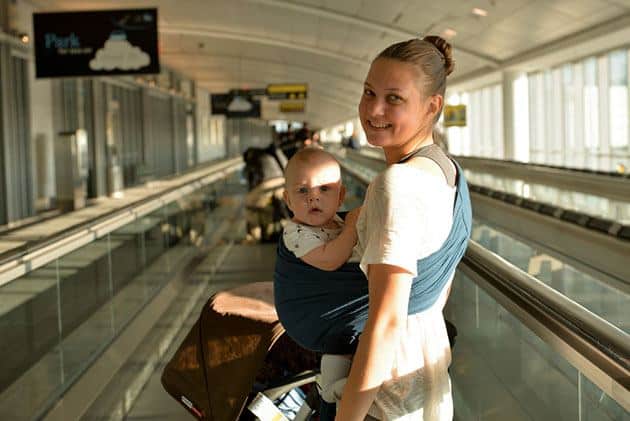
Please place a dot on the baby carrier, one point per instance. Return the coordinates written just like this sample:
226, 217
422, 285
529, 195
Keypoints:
326, 311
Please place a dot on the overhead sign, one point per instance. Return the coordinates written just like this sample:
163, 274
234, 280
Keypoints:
250, 92
287, 91
235, 105
454, 116
96, 43
291, 107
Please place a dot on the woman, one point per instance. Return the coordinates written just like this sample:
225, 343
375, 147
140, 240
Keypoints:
399, 370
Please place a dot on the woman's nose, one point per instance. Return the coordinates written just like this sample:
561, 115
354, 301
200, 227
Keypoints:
376, 107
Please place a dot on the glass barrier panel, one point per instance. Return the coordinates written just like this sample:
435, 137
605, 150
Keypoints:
502, 370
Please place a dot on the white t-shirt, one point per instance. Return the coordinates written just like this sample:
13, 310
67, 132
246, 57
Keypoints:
407, 215
301, 239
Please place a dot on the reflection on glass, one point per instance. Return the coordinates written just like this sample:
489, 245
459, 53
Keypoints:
581, 202
57, 319
594, 294
501, 370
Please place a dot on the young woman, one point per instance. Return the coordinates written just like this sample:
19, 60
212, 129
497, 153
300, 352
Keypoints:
399, 370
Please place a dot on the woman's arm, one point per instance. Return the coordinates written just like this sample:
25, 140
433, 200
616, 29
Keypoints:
333, 254
389, 289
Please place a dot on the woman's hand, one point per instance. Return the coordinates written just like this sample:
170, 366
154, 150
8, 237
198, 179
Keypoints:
352, 217
389, 287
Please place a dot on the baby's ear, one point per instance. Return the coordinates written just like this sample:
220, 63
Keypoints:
342, 194
285, 196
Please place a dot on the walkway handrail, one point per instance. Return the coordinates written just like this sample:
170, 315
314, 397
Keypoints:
557, 169
593, 345
612, 185
597, 328
39, 253
597, 348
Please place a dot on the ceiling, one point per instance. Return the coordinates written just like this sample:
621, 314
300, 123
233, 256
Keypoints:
228, 44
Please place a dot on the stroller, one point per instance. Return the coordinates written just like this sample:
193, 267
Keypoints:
236, 355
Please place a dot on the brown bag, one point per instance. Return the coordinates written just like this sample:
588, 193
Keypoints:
213, 370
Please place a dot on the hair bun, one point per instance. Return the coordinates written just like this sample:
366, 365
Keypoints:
445, 48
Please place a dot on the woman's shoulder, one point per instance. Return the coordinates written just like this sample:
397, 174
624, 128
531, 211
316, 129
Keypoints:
420, 175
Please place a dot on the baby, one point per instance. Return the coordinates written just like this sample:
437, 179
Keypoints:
314, 193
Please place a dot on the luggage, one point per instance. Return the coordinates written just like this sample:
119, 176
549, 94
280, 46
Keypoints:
212, 372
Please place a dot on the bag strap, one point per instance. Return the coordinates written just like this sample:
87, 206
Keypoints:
437, 155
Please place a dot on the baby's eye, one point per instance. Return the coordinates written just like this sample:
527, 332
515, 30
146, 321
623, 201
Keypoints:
324, 188
302, 190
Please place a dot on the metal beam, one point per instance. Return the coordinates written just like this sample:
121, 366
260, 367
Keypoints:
256, 60
372, 25
207, 32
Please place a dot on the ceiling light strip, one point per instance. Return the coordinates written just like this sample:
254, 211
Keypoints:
258, 61
365, 23
258, 39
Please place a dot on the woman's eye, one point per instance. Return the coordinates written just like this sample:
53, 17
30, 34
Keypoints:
394, 98
368, 92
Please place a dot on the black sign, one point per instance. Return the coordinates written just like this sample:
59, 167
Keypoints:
97, 43
234, 105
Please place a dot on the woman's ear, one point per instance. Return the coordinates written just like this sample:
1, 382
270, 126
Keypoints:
435, 104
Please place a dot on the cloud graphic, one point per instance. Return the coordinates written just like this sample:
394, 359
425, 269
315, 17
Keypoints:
119, 54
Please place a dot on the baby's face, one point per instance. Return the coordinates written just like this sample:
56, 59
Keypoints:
314, 191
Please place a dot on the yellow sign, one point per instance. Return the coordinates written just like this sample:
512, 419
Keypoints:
287, 91
292, 107
454, 116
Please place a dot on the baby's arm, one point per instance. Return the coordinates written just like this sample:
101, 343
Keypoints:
333, 254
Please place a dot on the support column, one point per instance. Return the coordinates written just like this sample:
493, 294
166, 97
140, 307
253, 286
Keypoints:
99, 141
4, 16
509, 132
5, 173
175, 138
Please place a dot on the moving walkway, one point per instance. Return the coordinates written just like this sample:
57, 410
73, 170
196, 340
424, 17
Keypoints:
524, 351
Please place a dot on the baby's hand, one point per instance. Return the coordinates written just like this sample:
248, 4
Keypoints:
352, 216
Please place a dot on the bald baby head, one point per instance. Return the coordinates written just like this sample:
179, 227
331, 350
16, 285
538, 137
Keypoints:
313, 186
313, 158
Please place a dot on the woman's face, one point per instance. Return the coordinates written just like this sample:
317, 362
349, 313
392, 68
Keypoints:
392, 109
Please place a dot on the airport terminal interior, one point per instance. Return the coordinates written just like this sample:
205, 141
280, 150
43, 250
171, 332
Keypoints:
133, 139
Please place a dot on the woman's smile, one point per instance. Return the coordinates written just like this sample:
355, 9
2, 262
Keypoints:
378, 125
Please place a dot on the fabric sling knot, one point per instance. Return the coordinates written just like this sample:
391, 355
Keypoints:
326, 311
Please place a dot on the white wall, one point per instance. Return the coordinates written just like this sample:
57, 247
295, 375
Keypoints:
210, 130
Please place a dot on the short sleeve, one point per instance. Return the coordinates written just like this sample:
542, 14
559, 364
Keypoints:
408, 214
300, 239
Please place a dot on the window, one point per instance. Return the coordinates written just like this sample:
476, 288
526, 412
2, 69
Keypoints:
591, 104
618, 97
569, 109
483, 134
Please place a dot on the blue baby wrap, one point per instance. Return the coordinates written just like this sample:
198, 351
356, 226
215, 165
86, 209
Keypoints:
326, 311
